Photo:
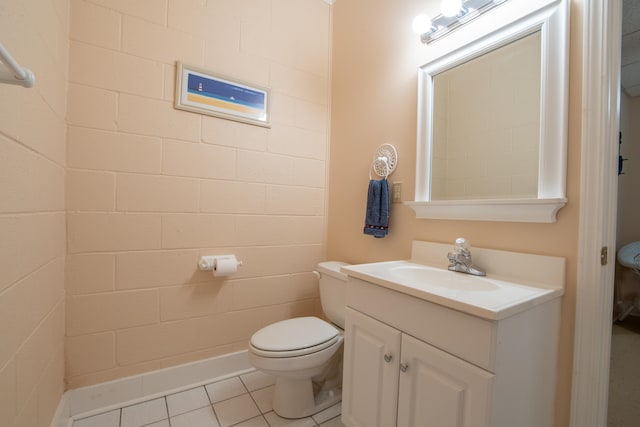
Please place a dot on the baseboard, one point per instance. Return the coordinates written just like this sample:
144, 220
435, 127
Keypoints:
86, 401
62, 417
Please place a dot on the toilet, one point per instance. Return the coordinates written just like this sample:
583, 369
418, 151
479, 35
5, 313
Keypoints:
305, 353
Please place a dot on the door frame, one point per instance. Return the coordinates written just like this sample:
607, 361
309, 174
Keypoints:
602, 21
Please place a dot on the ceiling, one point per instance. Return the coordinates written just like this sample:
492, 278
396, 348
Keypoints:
631, 47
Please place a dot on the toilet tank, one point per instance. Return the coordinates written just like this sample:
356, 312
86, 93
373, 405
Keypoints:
333, 288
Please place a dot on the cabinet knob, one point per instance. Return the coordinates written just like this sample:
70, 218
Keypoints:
404, 367
388, 357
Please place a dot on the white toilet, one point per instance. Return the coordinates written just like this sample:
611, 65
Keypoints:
305, 353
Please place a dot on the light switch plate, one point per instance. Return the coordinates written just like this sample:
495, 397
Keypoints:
396, 192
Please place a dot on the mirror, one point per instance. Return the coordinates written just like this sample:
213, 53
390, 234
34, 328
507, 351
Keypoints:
486, 125
492, 119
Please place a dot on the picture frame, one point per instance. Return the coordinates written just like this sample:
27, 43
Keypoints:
205, 92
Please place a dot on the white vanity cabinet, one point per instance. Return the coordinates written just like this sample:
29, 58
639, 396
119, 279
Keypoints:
411, 363
370, 372
439, 389
392, 376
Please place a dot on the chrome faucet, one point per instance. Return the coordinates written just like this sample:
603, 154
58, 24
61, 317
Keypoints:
461, 259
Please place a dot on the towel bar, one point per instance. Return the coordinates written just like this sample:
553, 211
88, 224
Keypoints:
17, 75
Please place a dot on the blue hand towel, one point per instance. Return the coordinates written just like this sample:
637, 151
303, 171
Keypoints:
376, 221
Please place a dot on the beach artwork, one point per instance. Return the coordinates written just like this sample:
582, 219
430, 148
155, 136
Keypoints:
203, 92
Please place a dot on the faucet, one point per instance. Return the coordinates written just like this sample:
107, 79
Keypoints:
461, 259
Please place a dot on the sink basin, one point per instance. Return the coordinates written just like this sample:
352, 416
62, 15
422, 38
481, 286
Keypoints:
486, 297
443, 278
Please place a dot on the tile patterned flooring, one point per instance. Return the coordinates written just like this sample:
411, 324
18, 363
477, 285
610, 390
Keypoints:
240, 401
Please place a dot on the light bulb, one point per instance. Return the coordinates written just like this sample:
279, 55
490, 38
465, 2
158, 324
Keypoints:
450, 8
421, 24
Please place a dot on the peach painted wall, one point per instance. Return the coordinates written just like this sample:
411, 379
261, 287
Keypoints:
32, 217
151, 188
374, 86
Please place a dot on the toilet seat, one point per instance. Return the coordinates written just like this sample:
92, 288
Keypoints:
294, 337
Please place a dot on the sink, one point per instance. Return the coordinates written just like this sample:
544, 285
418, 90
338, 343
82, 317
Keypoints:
487, 297
430, 276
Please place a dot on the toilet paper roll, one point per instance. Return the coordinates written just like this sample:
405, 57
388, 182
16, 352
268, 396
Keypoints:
225, 266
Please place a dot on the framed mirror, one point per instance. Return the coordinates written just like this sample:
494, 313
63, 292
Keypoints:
492, 118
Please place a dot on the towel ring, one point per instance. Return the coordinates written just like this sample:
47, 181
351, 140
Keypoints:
385, 160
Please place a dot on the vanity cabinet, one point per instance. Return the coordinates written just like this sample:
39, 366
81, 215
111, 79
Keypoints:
411, 363
370, 372
392, 378
437, 389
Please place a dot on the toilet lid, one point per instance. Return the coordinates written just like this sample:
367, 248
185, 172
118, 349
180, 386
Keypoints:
294, 334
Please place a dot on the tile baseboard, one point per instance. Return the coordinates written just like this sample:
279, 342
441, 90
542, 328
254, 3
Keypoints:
129, 390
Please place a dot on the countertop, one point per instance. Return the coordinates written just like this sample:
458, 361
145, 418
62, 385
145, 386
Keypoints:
484, 297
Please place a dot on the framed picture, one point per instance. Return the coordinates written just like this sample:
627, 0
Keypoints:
204, 92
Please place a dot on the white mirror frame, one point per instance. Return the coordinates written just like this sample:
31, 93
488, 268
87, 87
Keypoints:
509, 22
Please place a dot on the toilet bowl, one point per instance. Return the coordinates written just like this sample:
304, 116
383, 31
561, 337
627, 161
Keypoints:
304, 354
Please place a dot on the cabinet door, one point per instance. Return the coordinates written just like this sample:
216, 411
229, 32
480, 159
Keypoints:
441, 390
370, 380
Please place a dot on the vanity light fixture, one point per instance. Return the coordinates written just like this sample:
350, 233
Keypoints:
451, 8
454, 13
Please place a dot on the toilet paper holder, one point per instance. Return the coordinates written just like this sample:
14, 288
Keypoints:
209, 262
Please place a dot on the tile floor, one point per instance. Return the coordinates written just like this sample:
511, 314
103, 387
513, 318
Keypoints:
241, 401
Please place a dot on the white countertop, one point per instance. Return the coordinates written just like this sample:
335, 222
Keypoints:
485, 297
